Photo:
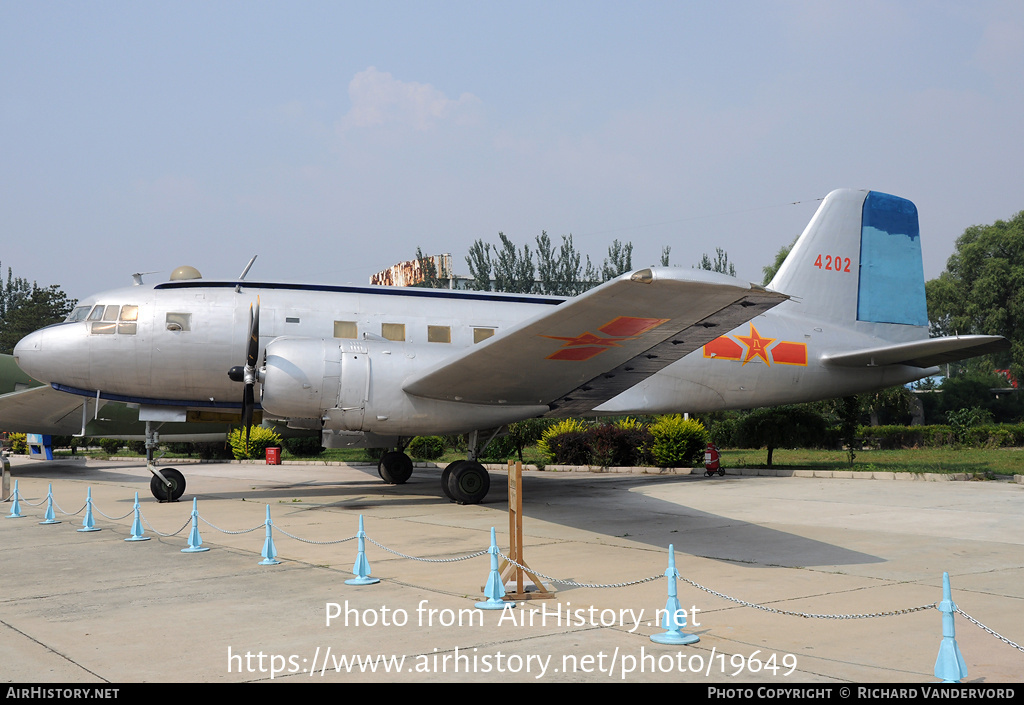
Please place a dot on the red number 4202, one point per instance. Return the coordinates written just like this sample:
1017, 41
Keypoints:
833, 264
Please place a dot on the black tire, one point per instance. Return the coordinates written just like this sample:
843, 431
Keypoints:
446, 473
395, 468
162, 491
721, 472
468, 483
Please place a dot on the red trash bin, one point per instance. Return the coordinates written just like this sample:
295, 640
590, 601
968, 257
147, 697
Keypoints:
273, 456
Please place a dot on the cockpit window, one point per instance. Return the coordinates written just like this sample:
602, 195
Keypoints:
78, 314
126, 324
107, 320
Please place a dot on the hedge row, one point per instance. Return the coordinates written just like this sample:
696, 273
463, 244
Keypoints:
985, 436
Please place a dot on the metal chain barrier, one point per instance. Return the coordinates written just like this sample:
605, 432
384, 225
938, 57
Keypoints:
123, 516
577, 584
225, 531
808, 615
427, 560
311, 541
159, 533
561, 581
70, 514
1001, 638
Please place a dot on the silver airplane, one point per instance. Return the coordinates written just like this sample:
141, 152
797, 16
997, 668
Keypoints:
376, 366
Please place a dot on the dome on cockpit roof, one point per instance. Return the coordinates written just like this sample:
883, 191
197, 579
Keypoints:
185, 272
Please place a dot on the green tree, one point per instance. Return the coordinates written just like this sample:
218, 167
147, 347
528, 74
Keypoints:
618, 262
790, 426
12, 293
480, 265
429, 270
982, 290
513, 269
780, 257
42, 307
722, 265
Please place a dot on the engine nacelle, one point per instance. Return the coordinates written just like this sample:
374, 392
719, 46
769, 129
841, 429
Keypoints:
356, 385
301, 377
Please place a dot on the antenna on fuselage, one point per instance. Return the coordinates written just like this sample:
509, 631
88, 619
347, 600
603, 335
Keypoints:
245, 271
137, 277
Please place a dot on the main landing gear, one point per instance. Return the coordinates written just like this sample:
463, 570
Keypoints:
395, 467
167, 484
463, 482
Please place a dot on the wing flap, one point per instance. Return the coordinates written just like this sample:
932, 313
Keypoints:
590, 348
921, 353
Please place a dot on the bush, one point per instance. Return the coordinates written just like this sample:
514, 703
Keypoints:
304, 446
18, 442
625, 443
565, 451
426, 447
677, 442
110, 446
259, 440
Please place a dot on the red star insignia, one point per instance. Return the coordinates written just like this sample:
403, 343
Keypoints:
756, 345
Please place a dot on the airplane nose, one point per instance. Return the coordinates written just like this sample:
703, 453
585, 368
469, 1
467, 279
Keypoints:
27, 354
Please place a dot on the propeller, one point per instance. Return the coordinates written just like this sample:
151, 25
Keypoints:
247, 374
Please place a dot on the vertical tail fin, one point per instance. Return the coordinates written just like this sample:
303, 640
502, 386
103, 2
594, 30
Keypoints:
859, 262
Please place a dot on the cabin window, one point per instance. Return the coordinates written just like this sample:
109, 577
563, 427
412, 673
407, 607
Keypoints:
97, 313
346, 329
439, 334
127, 324
179, 321
103, 328
392, 331
291, 319
480, 334
111, 313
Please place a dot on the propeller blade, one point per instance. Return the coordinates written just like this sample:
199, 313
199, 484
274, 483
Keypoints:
251, 358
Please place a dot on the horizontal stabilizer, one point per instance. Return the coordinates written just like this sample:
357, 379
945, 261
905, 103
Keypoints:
921, 353
589, 349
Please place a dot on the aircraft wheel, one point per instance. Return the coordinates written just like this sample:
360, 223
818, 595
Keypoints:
446, 473
468, 483
395, 468
162, 491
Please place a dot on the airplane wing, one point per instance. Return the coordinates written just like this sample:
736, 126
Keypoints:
41, 410
589, 349
921, 353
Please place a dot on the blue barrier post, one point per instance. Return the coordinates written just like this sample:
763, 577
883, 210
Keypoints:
88, 523
362, 566
495, 589
949, 666
137, 524
48, 517
15, 507
195, 543
269, 550
675, 618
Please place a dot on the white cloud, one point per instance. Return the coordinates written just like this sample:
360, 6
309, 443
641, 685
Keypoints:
379, 99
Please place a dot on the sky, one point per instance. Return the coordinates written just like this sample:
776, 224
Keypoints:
334, 138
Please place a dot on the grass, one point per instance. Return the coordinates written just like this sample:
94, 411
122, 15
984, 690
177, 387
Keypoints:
997, 461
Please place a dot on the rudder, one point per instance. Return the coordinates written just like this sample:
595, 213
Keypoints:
859, 260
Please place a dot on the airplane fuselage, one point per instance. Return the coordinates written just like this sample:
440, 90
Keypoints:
172, 344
